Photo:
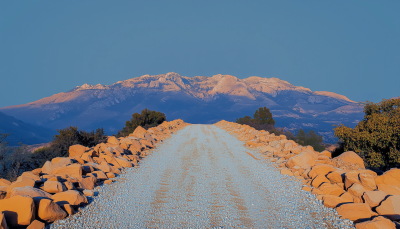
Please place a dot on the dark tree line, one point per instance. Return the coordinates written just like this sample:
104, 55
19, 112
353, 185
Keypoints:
145, 119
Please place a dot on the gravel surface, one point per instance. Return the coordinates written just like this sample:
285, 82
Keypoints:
202, 177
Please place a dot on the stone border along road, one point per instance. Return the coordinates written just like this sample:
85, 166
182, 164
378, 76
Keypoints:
203, 177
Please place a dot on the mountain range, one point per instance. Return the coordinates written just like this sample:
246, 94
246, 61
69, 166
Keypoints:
199, 99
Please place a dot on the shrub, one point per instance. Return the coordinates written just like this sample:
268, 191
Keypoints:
310, 139
146, 119
377, 137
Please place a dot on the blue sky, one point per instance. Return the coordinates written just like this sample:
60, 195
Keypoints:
348, 47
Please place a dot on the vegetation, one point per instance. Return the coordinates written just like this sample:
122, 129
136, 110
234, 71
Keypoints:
262, 120
146, 119
377, 137
16, 160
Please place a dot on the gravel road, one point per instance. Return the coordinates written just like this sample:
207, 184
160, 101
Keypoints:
202, 177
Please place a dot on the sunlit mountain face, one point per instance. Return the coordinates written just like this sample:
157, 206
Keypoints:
199, 99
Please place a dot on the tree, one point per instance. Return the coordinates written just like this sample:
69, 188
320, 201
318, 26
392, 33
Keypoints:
146, 119
301, 137
263, 116
377, 137
310, 139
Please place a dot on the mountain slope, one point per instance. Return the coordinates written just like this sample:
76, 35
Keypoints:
23, 132
197, 99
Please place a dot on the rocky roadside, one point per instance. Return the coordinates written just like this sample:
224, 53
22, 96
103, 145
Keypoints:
64, 184
343, 183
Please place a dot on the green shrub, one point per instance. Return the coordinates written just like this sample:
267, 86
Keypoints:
377, 137
310, 139
146, 119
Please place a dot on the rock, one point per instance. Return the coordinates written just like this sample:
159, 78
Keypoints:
36, 224
71, 197
3, 223
286, 172
3, 192
321, 169
87, 182
379, 222
21, 182
67, 208
61, 161
306, 188
367, 180
331, 201
390, 208
318, 180
112, 140
357, 190
53, 187
48, 211
374, 198
123, 162
336, 176
4, 182
331, 189
88, 192
74, 170
100, 175
140, 132
18, 210
108, 181
304, 160
391, 177
327, 153
48, 167
355, 212
31, 175
349, 160
390, 190
76, 151
86, 157
29, 191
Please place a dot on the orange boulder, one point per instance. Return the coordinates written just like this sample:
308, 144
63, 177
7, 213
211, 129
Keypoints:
77, 151
74, 170
3, 223
379, 222
349, 160
391, 177
4, 182
390, 208
304, 160
321, 169
355, 212
374, 198
21, 182
390, 190
36, 224
29, 191
18, 210
53, 187
48, 211
71, 197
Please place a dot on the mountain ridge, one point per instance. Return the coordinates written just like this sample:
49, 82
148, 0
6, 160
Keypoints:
199, 99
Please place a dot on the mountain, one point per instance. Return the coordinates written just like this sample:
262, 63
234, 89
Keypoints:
199, 99
23, 132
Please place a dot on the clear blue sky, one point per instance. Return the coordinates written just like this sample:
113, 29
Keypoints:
348, 47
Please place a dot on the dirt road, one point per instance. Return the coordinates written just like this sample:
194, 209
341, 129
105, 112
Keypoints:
202, 177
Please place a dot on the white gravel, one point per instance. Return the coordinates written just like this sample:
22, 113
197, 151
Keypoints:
202, 177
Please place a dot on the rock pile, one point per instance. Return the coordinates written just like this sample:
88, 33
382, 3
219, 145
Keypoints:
63, 184
343, 183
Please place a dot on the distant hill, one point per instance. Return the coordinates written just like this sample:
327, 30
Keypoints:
23, 132
199, 99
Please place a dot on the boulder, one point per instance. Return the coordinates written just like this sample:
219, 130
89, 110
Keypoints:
74, 170
367, 180
112, 140
379, 222
110, 175
69, 185
87, 182
29, 191
321, 169
31, 175
391, 177
355, 212
336, 176
332, 201
390, 190
18, 210
123, 162
88, 192
100, 175
61, 161
57, 162
331, 189
4, 182
286, 172
48, 211
21, 182
3, 223
66, 207
87, 157
304, 160
348, 160
390, 208
71, 197
36, 224
374, 198
53, 187
318, 180
76, 151
3, 192
357, 190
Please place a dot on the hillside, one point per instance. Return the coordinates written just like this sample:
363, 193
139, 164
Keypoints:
197, 99
23, 132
